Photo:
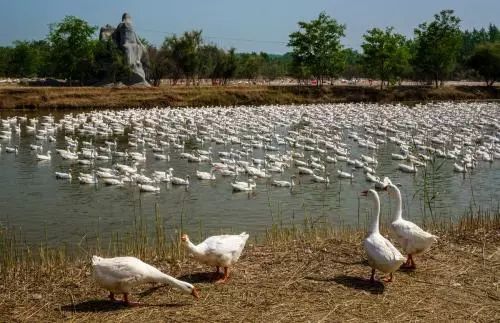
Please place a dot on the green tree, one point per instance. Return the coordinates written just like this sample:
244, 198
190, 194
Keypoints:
229, 66
486, 61
316, 47
250, 65
5, 55
157, 68
23, 61
353, 66
182, 54
274, 66
211, 58
385, 54
72, 48
437, 46
470, 40
110, 63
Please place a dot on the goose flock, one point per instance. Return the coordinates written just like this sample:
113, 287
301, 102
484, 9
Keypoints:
252, 145
283, 146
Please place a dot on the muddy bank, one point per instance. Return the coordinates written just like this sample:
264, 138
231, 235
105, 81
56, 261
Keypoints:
96, 97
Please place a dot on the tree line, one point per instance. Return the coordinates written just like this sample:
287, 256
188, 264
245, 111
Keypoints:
438, 51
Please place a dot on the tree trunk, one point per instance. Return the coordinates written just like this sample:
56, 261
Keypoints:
436, 80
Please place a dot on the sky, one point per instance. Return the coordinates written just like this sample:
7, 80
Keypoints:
251, 25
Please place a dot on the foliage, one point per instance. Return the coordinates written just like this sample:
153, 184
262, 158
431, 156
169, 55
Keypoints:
353, 64
25, 59
385, 54
437, 46
275, 66
439, 51
157, 69
183, 55
470, 41
249, 65
316, 47
486, 61
5, 54
110, 63
226, 66
71, 48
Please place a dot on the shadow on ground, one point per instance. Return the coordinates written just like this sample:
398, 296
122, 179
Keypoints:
196, 278
375, 287
93, 306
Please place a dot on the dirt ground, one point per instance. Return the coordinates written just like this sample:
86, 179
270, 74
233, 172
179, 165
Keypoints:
31, 98
315, 281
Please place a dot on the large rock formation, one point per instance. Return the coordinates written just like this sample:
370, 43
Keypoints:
135, 52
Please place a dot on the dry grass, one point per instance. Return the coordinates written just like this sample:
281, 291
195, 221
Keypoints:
311, 279
132, 97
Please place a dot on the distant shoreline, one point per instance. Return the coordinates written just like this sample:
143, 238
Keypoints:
20, 97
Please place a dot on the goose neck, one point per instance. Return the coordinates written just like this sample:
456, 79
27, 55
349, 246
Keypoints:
374, 228
399, 206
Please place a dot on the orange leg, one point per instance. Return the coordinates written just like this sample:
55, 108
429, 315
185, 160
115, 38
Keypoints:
129, 303
390, 279
412, 264
111, 296
225, 277
372, 278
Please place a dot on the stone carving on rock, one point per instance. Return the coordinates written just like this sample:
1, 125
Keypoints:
135, 52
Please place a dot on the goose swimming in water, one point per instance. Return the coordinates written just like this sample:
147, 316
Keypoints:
290, 184
41, 157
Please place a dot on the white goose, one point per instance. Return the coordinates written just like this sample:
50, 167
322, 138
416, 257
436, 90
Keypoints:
87, 178
320, 179
407, 168
11, 149
120, 274
218, 251
112, 181
305, 170
180, 181
342, 174
459, 169
148, 188
412, 238
61, 175
205, 175
42, 157
382, 184
278, 183
243, 186
382, 255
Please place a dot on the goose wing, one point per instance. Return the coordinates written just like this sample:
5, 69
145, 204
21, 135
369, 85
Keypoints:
225, 244
382, 250
122, 269
408, 230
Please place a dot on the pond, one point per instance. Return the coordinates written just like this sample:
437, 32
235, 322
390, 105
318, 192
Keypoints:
438, 135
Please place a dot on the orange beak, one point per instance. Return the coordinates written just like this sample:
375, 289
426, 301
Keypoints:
364, 193
184, 237
195, 293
